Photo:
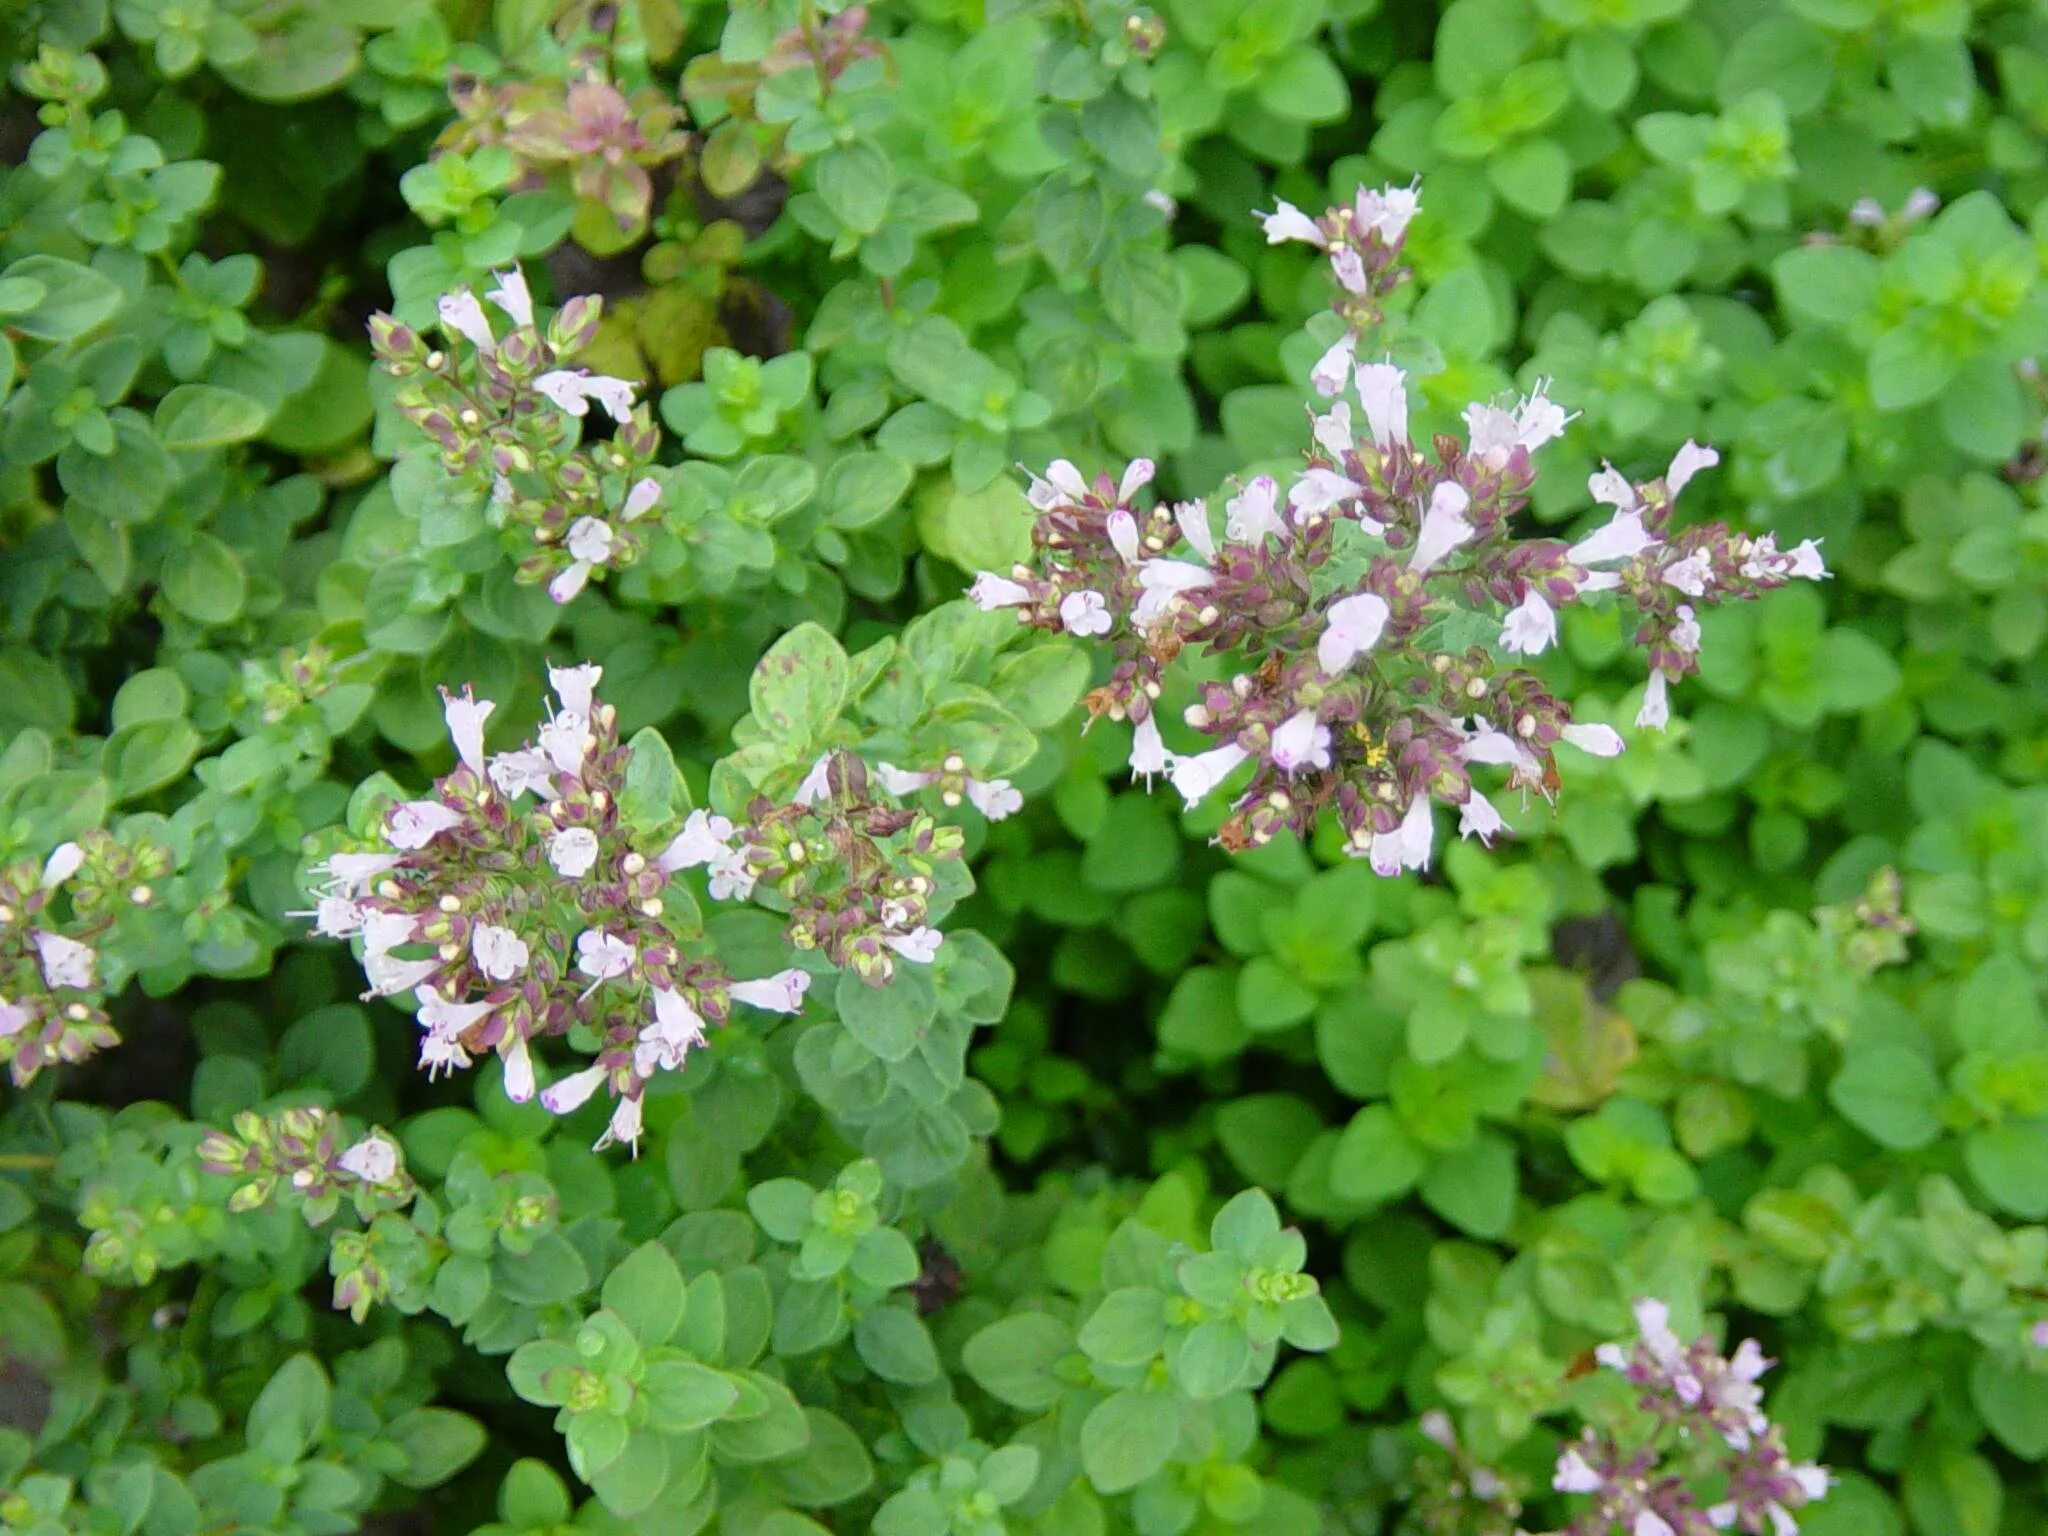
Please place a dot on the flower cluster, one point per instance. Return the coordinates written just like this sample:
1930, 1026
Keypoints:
1706, 1426
607, 144
512, 905
507, 412
1364, 242
52, 918
1381, 595
299, 1153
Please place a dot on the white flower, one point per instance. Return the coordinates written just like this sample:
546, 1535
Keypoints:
1353, 626
1084, 613
1301, 740
625, 1126
14, 1018
994, 798
572, 1092
514, 773
1610, 487
1288, 222
1196, 777
1349, 267
1444, 525
1650, 1523
640, 499
374, 1159
1497, 749
572, 851
65, 962
1688, 575
991, 592
350, 874
590, 540
1496, 432
1478, 815
1160, 202
574, 388
500, 953
1061, 486
570, 582
1254, 512
1866, 212
1193, 518
441, 1053
1686, 463
1318, 490
576, 688
415, 823
817, 784
1623, 538
602, 955
334, 917
1137, 475
1813, 1481
1807, 564
519, 1080
444, 1020
920, 944
65, 860
1333, 432
1598, 740
1383, 391
1334, 367
512, 296
1655, 713
1148, 750
1160, 582
1685, 634
388, 975
465, 717
1409, 845
385, 931
901, 781
1387, 210
1530, 628
1573, 1473
1122, 529
669, 1036
704, 837
781, 993
460, 312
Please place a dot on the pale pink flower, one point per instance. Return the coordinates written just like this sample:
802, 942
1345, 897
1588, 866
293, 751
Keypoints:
1623, 538
1332, 430
816, 784
350, 874
385, 931
1655, 713
574, 388
573, 852
991, 592
1383, 391
65, 860
572, 1092
514, 773
602, 956
1063, 485
1444, 525
1084, 613
1530, 628
1193, 519
1333, 368
675, 1030
994, 798
1148, 750
1353, 625
781, 993
465, 717
625, 1126
1301, 741
1573, 1473
1478, 816
512, 296
413, 824
1196, 777
1122, 529
1388, 210
919, 944
388, 975
519, 1079
460, 313
1319, 490
1137, 475
1599, 740
640, 499
374, 1159
1162, 581
65, 962
500, 953
1409, 845
1687, 462
1254, 512
1288, 222
705, 837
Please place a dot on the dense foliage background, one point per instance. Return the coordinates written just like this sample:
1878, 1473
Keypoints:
1751, 1022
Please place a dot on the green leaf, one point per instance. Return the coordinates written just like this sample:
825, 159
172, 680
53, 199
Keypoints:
889, 1020
196, 416
892, 1341
1127, 1327
437, 1444
1474, 1187
2014, 1403
646, 1291
1128, 1437
654, 796
2010, 1164
292, 1407
855, 181
1829, 284
1952, 1492
148, 755
1014, 1360
683, 1395
203, 579
72, 300
1375, 1160
1891, 1094
800, 685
